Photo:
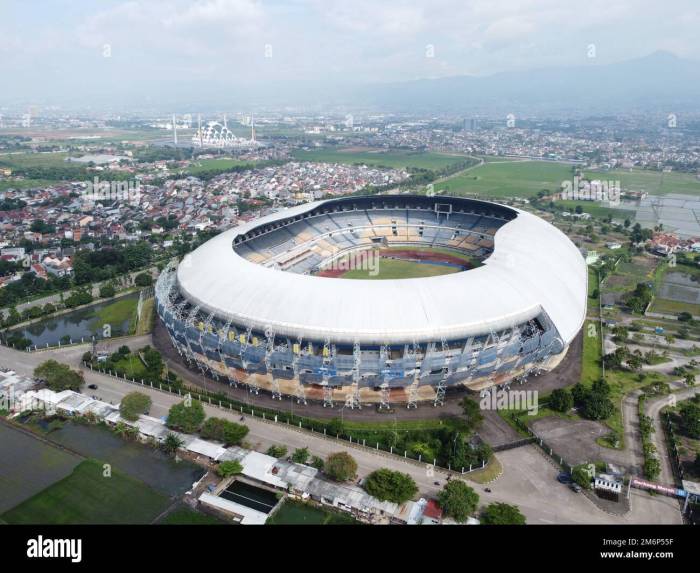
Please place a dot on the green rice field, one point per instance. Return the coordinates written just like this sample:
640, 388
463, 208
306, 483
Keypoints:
86, 496
299, 513
395, 159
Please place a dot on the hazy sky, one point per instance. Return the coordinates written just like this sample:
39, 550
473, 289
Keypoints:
82, 47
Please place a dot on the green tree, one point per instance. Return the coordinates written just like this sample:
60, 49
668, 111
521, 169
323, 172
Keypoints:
58, 376
143, 280
561, 400
389, 485
472, 413
133, 405
690, 419
458, 500
597, 407
581, 477
107, 291
187, 416
229, 468
340, 466
502, 514
300, 455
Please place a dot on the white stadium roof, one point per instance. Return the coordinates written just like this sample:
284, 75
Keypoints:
534, 266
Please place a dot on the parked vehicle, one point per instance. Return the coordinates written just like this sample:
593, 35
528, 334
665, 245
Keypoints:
92, 386
575, 487
564, 478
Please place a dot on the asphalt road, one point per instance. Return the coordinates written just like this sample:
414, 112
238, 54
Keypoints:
658, 437
528, 479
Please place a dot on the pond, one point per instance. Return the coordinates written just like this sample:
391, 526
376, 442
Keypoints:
119, 314
250, 496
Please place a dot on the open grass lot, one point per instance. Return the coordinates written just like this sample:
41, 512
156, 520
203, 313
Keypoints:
653, 182
379, 157
222, 164
298, 513
666, 306
6, 184
598, 210
86, 496
73, 135
132, 367
28, 465
629, 273
397, 269
45, 159
508, 179
186, 516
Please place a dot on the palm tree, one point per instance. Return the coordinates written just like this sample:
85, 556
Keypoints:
172, 443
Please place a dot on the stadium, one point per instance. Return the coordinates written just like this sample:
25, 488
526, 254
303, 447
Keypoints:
459, 292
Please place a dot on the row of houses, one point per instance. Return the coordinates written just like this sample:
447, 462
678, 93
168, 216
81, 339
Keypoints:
296, 480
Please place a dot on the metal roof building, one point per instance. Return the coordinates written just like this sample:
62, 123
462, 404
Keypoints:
533, 267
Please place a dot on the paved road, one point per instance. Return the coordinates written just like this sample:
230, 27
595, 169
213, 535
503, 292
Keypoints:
653, 409
528, 479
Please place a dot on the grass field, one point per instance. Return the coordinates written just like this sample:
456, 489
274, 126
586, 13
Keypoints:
396, 159
298, 513
6, 184
87, 497
597, 210
508, 179
389, 269
653, 182
667, 306
186, 516
47, 159
131, 366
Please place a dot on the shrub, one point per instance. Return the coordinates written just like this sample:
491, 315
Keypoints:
229, 468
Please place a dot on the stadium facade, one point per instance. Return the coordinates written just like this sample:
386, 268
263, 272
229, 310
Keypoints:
247, 308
